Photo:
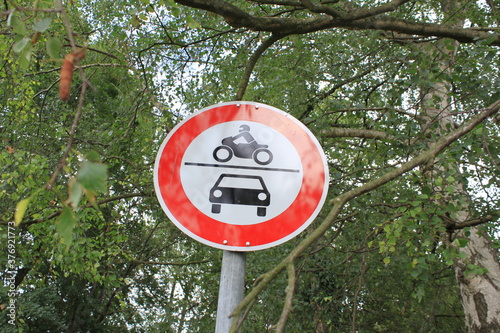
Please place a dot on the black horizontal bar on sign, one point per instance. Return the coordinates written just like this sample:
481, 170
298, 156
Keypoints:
239, 167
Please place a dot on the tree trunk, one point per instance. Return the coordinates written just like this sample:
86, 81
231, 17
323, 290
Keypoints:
480, 293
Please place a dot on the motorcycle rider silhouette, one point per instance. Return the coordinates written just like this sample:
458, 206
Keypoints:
243, 145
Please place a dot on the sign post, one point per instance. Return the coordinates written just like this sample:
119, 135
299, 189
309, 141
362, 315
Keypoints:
240, 176
232, 285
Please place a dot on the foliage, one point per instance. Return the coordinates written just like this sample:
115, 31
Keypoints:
94, 251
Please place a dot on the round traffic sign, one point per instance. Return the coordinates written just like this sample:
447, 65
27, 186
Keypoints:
241, 176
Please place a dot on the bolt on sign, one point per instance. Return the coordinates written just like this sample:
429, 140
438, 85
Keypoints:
241, 176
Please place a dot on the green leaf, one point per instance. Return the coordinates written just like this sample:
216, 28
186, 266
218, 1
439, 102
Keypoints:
461, 242
9, 18
75, 194
436, 219
92, 177
93, 156
20, 210
53, 47
487, 41
419, 293
25, 58
18, 26
192, 23
20, 45
42, 25
24, 63
65, 226
439, 181
475, 270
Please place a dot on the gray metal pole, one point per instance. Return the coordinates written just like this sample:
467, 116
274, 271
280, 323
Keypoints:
232, 284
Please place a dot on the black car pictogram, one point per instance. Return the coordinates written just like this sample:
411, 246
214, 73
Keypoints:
240, 190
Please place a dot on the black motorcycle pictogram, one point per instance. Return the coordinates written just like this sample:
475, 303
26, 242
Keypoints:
243, 145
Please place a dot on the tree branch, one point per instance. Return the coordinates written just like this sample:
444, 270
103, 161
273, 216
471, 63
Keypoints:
287, 307
323, 9
81, 99
453, 225
57, 69
74, 126
426, 156
336, 132
56, 214
370, 12
362, 271
252, 62
339, 202
368, 19
462, 35
163, 263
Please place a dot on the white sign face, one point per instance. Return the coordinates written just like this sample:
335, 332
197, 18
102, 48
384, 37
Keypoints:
241, 176
207, 160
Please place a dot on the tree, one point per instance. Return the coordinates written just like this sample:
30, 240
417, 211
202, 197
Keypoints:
403, 96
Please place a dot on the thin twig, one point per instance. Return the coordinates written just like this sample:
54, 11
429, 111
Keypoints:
487, 149
287, 306
362, 271
67, 25
74, 126
239, 321
58, 69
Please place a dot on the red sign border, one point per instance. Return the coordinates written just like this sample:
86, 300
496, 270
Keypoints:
209, 231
